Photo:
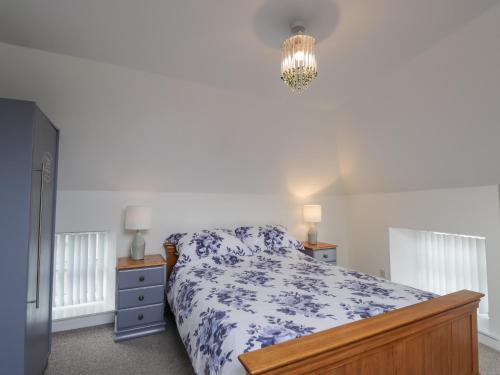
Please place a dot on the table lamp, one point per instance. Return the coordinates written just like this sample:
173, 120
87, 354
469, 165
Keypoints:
138, 218
312, 215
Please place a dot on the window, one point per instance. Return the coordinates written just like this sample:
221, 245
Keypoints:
439, 262
83, 274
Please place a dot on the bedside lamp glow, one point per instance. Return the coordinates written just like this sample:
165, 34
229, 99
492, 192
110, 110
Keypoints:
138, 218
312, 215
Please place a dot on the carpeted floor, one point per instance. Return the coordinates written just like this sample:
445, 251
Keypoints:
489, 361
93, 351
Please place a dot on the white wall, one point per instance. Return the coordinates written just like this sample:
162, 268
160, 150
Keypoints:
359, 224
171, 212
126, 130
432, 123
472, 211
403, 256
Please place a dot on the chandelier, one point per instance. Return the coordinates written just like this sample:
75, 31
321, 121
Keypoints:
298, 61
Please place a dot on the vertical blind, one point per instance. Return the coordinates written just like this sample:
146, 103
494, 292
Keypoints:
81, 268
447, 263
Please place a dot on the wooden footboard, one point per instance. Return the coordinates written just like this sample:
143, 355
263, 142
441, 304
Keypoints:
434, 337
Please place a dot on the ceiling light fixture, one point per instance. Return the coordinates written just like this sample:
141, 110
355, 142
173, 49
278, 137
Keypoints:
298, 61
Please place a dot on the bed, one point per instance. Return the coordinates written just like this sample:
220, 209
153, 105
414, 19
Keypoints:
278, 311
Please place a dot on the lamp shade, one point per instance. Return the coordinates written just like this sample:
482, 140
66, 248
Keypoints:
312, 213
138, 217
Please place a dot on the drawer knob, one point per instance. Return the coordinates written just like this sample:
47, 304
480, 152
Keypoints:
325, 256
141, 278
141, 298
140, 317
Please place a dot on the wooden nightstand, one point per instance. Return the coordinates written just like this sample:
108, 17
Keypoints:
326, 252
140, 297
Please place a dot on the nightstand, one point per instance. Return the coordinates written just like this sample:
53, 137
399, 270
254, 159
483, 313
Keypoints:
326, 252
140, 297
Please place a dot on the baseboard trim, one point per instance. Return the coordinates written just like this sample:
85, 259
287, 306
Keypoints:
489, 340
97, 319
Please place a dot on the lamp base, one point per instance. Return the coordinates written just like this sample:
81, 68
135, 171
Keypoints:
312, 235
138, 247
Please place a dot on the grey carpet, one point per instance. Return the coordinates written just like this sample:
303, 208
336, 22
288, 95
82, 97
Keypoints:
489, 361
93, 351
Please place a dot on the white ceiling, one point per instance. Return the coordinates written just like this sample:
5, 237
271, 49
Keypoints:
235, 44
405, 97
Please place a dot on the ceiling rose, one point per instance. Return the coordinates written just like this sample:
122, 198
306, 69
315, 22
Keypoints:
298, 61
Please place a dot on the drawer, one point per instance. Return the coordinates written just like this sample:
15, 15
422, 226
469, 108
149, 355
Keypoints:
327, 255
139, 316
140, 277
140, 296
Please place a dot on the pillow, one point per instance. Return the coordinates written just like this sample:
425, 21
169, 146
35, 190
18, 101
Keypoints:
175, 237
270, 237
216, 245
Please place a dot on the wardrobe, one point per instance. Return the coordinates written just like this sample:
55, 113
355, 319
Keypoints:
28, 179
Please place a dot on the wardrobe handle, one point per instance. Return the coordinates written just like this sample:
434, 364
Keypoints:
39, 240
141, 298
140, 317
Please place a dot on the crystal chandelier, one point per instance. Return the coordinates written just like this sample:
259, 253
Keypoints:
298, 61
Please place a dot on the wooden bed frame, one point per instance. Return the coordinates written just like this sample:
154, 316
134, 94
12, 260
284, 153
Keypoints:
436, 337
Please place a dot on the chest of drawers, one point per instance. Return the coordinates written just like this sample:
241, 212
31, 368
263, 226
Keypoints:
140, 297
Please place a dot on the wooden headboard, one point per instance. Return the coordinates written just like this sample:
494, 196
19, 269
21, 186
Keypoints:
172, 255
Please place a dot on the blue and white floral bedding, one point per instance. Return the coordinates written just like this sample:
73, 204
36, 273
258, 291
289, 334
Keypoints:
229, 299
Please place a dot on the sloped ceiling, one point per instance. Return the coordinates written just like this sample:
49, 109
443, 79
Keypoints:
433, 123
405, 99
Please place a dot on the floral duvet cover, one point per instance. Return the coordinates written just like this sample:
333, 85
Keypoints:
223, 310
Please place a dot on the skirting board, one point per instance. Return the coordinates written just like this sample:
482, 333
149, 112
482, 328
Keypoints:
489, 340
83, 321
